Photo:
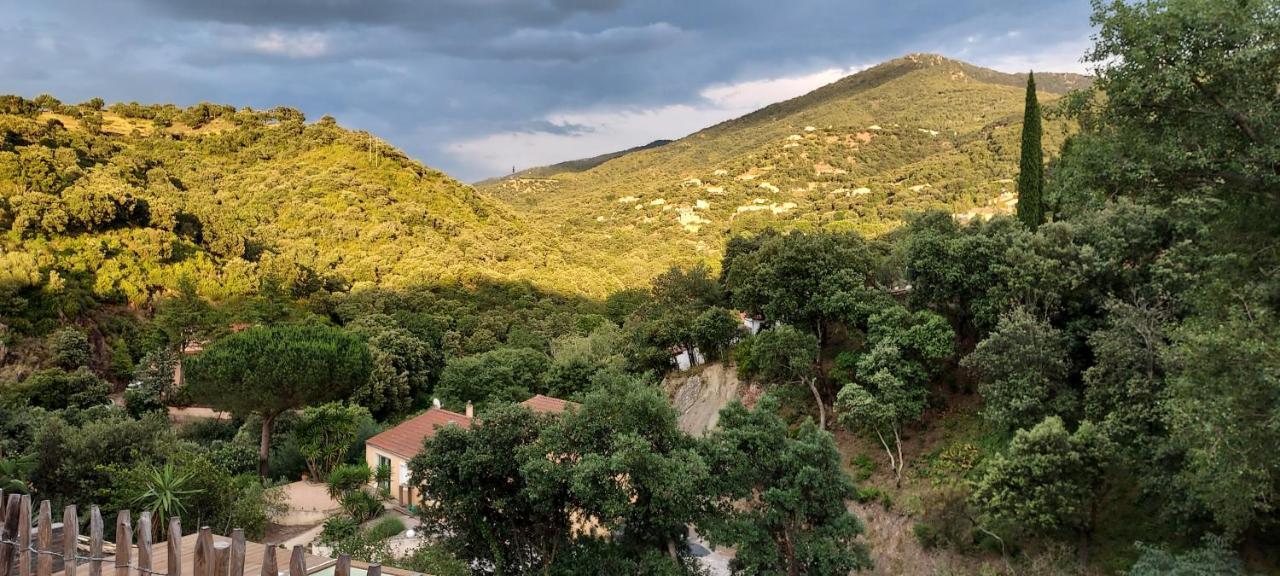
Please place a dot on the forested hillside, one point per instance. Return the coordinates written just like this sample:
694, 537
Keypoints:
116, 205
858, 155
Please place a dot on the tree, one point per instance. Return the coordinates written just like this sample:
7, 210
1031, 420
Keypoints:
185, 318
1031, 165
57, 389
1047, 483
714, 330
403, 365
783, 355
1224, 393
880, 405
1022, 369
268, 370
783, 496
502, 374
325, 433
481, 501
791, 278
632, 471
891, 385
69, 348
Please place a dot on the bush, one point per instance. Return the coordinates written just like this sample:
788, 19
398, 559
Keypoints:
233, 457
348, 478
337, 529
435, 560
361, 505
386, 528
863, 467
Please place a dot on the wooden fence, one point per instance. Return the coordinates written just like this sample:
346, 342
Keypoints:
71, 553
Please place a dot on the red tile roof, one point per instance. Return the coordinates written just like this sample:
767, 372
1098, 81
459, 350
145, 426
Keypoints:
406, 439
547, 404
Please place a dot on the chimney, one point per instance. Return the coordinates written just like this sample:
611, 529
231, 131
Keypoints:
471, 410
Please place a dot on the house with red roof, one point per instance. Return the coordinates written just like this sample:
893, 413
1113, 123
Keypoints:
395, 447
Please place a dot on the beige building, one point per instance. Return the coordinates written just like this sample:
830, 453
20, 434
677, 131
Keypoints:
396, 446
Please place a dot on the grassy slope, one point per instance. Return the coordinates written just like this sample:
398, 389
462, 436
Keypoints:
913, 133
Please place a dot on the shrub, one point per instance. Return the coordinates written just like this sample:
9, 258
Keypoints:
863, 467
337, 529
386, 528
361, 505
435, 560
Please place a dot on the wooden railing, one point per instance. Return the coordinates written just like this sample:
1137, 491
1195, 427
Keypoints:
71, 552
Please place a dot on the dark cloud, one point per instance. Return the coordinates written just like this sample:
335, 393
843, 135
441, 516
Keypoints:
420, 14
426, 74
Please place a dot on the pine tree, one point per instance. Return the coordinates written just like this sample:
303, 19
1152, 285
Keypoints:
1031, 168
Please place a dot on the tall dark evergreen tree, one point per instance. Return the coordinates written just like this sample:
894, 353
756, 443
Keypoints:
1031, 168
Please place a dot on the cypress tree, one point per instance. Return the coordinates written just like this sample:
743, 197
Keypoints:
1031, 168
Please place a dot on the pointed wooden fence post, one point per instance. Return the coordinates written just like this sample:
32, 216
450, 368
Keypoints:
373, 570
237, 553
269, 561
8, 532
298, 561
343, 567
95, 542
144, 543
221, 557
24, 536
70, 538
203, 561
174, 545
44, 540
124, 543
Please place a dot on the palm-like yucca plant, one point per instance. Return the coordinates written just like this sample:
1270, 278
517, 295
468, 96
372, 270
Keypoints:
165, 495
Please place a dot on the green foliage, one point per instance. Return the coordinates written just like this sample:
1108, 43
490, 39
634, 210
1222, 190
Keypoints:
780, 356
1031, 164
324, 435
798, 278
386, 528
714, 330
1048, 481
503, 374
1213, 558
69, 349
56, 389
435, 560
73, 460
1224, 393
267, 370
1022, 368
166, 494
483, 503
348, 478
361, 505
784, 494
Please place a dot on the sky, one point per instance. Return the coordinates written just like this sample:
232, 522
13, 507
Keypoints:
479, 87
